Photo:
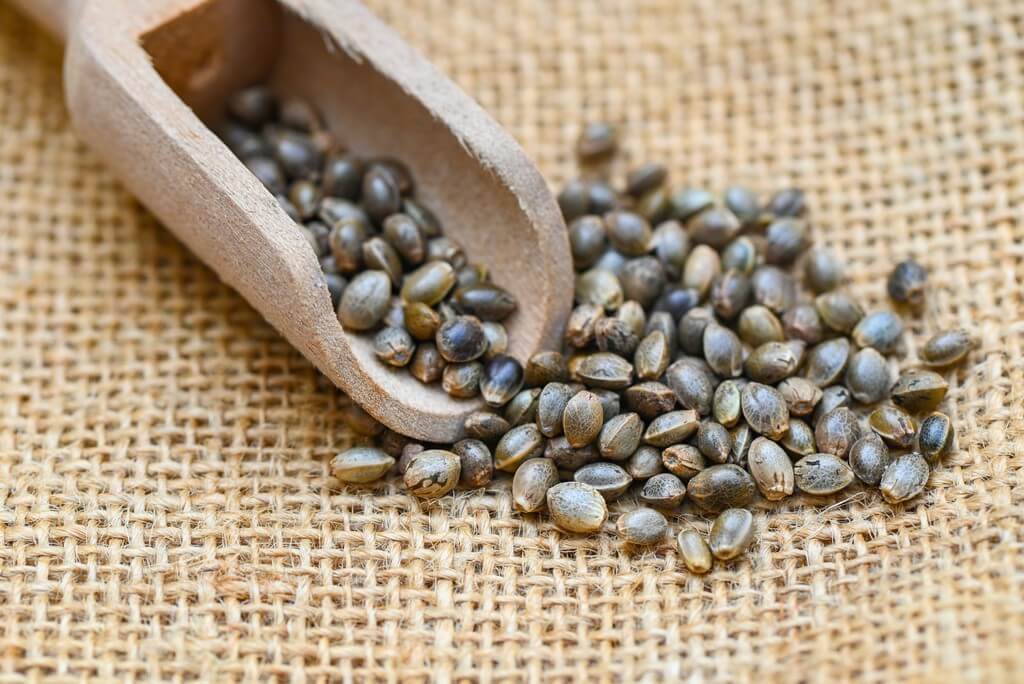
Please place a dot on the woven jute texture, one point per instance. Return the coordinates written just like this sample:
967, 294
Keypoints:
166, 508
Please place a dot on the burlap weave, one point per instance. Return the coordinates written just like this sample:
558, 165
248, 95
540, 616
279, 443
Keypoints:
166, 510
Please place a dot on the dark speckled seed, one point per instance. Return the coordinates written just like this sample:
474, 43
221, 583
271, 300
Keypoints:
502, 380
801, 395
652, 356
365, 301
785, 239
486, 426
729, 294
586, 240
723, 351
582, 419
447, 250
461, 339
771, 469
334, 211
869, 457
726, 405
740, 255
771, 362
691, 329
716, 226
765, 410
522, 408
904, 478
518, 444
345, 241
462, 380
720, 487
799, 441
671, 428
838, 311
788, 202
544, 367
868, 377
773, 288
918, 390
645, 463
879, 329
676, 301
394, 346
742, 437
832, 398
628, 232
568, 459
616, 336
822, 474
642, 279
894, 425
836, 432
605, 370
432, 474
620, 436
671, 243
906, 283
714, 441
409, 452
802, 322
948, 347
694, 551
576, 507
642, 526
427, 365
531, 483
683, 460
610, 479
361, 465
551, 405
822, 270
335, 288
476, 466
757, 325
692, 386
421, 321
827, 361
242, 141
649, 399
579, 329
611, 404
664, 490
935, 437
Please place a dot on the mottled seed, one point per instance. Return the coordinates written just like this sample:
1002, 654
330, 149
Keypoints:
655, 206
576, 507
802, 322
671, 243
605, 370
800, 394
485, 301
832, 398
935, 437
518, 444
918, 391
723, 350
714, 441
610, 402
838, 311
620, 437
404, 236
676, 301
642, 279
360, 465
726, 406
758, 325
691, 329
694, 551
771, 469
430, 283
462, 380
692, 386
683, 460
867, 376
649, 399
671, 428
827, 361
785, 240
836, 432
731, 534
544, 367
582, 419
476, 467
771, 362
551, 407
879, 329
461, 339
394, 346
765, 410
907, 282
427, 364
948, 347
663, 490
531, 483
381, 256
609, 479
799, 441
904, 478
599, 288
715, 226
869, 457
729, 294
497, 339
822, 270
894, 425
652, 356
597, 141
788, 202
522, 408
586, 240
579, 329
346, 243
742, 437
822, 474
432, 474
644, 464
365, 300
722, 486
502, 380
629, 233
702, 265
486, 426
642, 526
616, 336
773, 288
632, 314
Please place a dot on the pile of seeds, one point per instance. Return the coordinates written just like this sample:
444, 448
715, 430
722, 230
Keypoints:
712, 353
388, 266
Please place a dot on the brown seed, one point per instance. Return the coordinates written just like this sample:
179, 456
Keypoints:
476, 468
935, 437
836, 432
655, 206
948, 347
692, 385
771, 469
838, 311
694, 551
586, 240
379, 255
599, 288
683, 460
904, 478
531, 483
462, 380
671, 428
742, 437
253, 106
802, 322
727, 407
501, 381
582, 419
432, 474
518, 444
551, 407
605, 370
723, 351
758, 325
601, 198
773, 288
765, 410
359, 421
409, 452
361, 465
714, 441
644, 464
771, 362
381, 196
879, 329
629, 233
394, 346
579, 329
343, 176
894, 425
868, 377
427, 364
827, 361
485, 301
831, 398
664, 490
702, 266
632, 314
429, 283
610, 479
801, 395
615, 336
722, 486
447, 250
715, 226
822, 270
822, 474
567, 459
486, 426
691, 329
421, 321
869, 457
652, 356
544, 367
919, 390
907, 282
597, 141
799, 441
642, 526
305, 197
497, 339
729, 294
620, 437
649, 399
642, 279
576, 507
461, 339
294, 151
522, 408
645, 178
731, 534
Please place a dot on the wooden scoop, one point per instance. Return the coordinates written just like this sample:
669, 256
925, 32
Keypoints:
146, 79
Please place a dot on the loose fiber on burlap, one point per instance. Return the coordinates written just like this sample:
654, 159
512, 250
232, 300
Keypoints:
166, 508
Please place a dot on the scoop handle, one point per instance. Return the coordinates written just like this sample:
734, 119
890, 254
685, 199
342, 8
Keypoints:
53, 15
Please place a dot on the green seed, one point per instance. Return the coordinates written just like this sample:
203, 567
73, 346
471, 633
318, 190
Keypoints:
501, 381
869, 457
907, 282
671, 428
629, 233
586, 240
531, 483
689, 202
649, 399
904, 478
822, 270
567, 459
486, 426
485, 301
476, 467
722, 486
726, 406
799, 441
701, 268
692, 385
644, 464
683, 460
765, 410
836, 432
827, 361
360, 465
599, 288
785, 240
432, 474
664, 490
894, 425
522, 408
822, 474
715, 226
429, 283
597, 141
802, 322
773, 288
729, 294
691, 329
615, 336
642, 526
576, 507
771, 362
518, 444
935, 437
544, 367
427, 365
723, 351
800, 394
788, 202
839, 311
757, 325
605, 370
694, 551
714, 441
551, 407
582, 419
948, 347
868, 377
620, 437
365, 301
421, 321
461, 339
462, 380
394, 346
609, 479
671, 244
918, 391
771, 469
732, 533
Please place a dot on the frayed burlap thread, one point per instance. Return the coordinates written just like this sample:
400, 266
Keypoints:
166, 508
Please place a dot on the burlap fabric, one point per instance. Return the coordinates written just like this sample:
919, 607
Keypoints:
166, 510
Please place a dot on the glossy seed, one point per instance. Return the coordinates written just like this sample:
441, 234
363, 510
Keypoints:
827, 361
567, 459
517, 445
381, 256
576, 507
620, 437
918, 391
714, 441
380, 195
904, 478
365, 300
486, 426
788, 202
771, 362
579, 329
427, 365
836, 432
663, 490
894, 425
773, 288
485, 301
253, 106
671, 428
702, 266
394, 346
671, 244
632, 314
742, 437
502, 380
343, 176
743, 203
573, 200
429, 283
906, 283
544, 367
645, 463
601, 198
935, 437
723, 351
587, 239
692, 386
731, 534
433, 473
838, 311
605, 370
822, 474
726, 406
649, 399
651, 357
785, 240
879, 329
757, 325
800, 394
722, 486
729, 294
868, 377
691, 329
611, 405
360, 465
688, 202
822, 270
948, 347
616, 336
531, 483
599, 288
522, 407
676, 301
305, 197
642, 280
765, 410
683, 460
642, 526
497, 339
629, 233
582, 419
832, 397
462, 380
610, 479
476, 467
461, 339
715, 226
694, 551
799, 441
421, 321
869, 457
655, 206
295, 152
802, 322
597, 141
771, 469
551, 407
425, 219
